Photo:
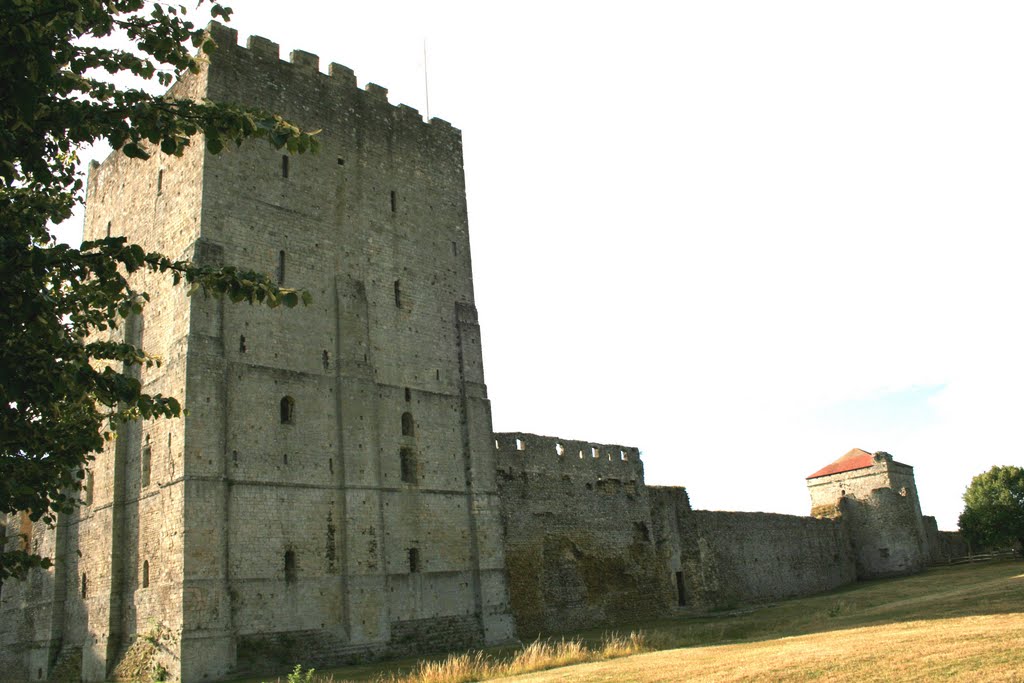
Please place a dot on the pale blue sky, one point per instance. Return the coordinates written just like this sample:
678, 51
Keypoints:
742, 236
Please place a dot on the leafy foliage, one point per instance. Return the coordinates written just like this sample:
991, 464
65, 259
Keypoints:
63, 387
994, 507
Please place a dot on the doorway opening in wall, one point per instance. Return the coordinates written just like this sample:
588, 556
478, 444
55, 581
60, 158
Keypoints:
681, 588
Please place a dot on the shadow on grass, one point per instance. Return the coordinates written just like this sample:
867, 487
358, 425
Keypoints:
939, 593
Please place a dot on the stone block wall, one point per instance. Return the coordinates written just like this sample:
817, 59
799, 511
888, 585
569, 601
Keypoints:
578, 534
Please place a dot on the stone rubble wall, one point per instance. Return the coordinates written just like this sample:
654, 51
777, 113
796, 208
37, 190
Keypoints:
578, 534
728, 559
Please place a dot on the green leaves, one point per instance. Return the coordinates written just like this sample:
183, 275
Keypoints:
69, 370
994, 507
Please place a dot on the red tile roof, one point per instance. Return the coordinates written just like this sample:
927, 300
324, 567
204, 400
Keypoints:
854, 460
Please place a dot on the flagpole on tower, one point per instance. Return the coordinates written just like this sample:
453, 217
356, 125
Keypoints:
426, 84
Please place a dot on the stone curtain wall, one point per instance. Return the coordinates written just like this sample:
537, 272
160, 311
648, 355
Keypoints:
579, 543
732, 558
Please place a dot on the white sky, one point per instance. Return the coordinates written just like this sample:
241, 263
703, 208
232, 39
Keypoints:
742, 236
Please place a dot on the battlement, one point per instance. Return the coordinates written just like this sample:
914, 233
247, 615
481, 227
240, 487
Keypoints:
337, 74
522, 451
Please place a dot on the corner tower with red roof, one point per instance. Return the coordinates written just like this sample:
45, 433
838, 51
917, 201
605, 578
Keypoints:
876, 497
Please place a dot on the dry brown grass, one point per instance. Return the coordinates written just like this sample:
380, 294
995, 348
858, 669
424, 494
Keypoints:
537, 656
962, 623
953, 623
986, 648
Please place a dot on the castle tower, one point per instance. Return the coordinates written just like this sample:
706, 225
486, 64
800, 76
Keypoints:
876, 497
331, 493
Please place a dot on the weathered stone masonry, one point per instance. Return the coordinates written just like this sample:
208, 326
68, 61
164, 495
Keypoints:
336, 491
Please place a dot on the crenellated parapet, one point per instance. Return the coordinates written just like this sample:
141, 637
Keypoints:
308, 64
522, 452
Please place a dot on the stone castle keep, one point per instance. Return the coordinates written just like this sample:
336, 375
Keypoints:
336, 491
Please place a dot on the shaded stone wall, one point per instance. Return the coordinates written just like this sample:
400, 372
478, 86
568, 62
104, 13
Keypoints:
578, 534
731, 558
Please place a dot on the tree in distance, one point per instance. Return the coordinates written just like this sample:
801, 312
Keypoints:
994, 508
64, 388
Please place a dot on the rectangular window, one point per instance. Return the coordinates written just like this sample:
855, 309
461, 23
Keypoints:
407, 464
398, 293
280, 267
284, 166
394, 201
160, 181
147, 454
414, 560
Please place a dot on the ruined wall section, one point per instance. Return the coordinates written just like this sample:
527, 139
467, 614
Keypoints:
670, 510
367, 521
578, 534
727, 559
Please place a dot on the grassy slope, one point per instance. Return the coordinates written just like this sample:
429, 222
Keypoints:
958, 622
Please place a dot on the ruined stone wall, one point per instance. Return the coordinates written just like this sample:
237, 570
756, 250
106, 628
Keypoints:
953, 546
723, 559
578, 534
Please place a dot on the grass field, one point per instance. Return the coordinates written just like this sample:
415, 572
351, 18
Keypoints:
950, 623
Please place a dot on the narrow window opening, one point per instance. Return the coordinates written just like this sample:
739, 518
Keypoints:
341, 161
85, 585
280, 267
285, 458
147, 455
408, 394
289, 566
284, 166
234, 458
160, 181
520, 445
455, 249
394, 201
437, 374
681, 589
242, 348
87, 488
398, 293
595, 453
145, 574
559, 449
408, 428
414, 560
330, 465
497, 447
287, 410
108, 228
407, 465
326, 360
